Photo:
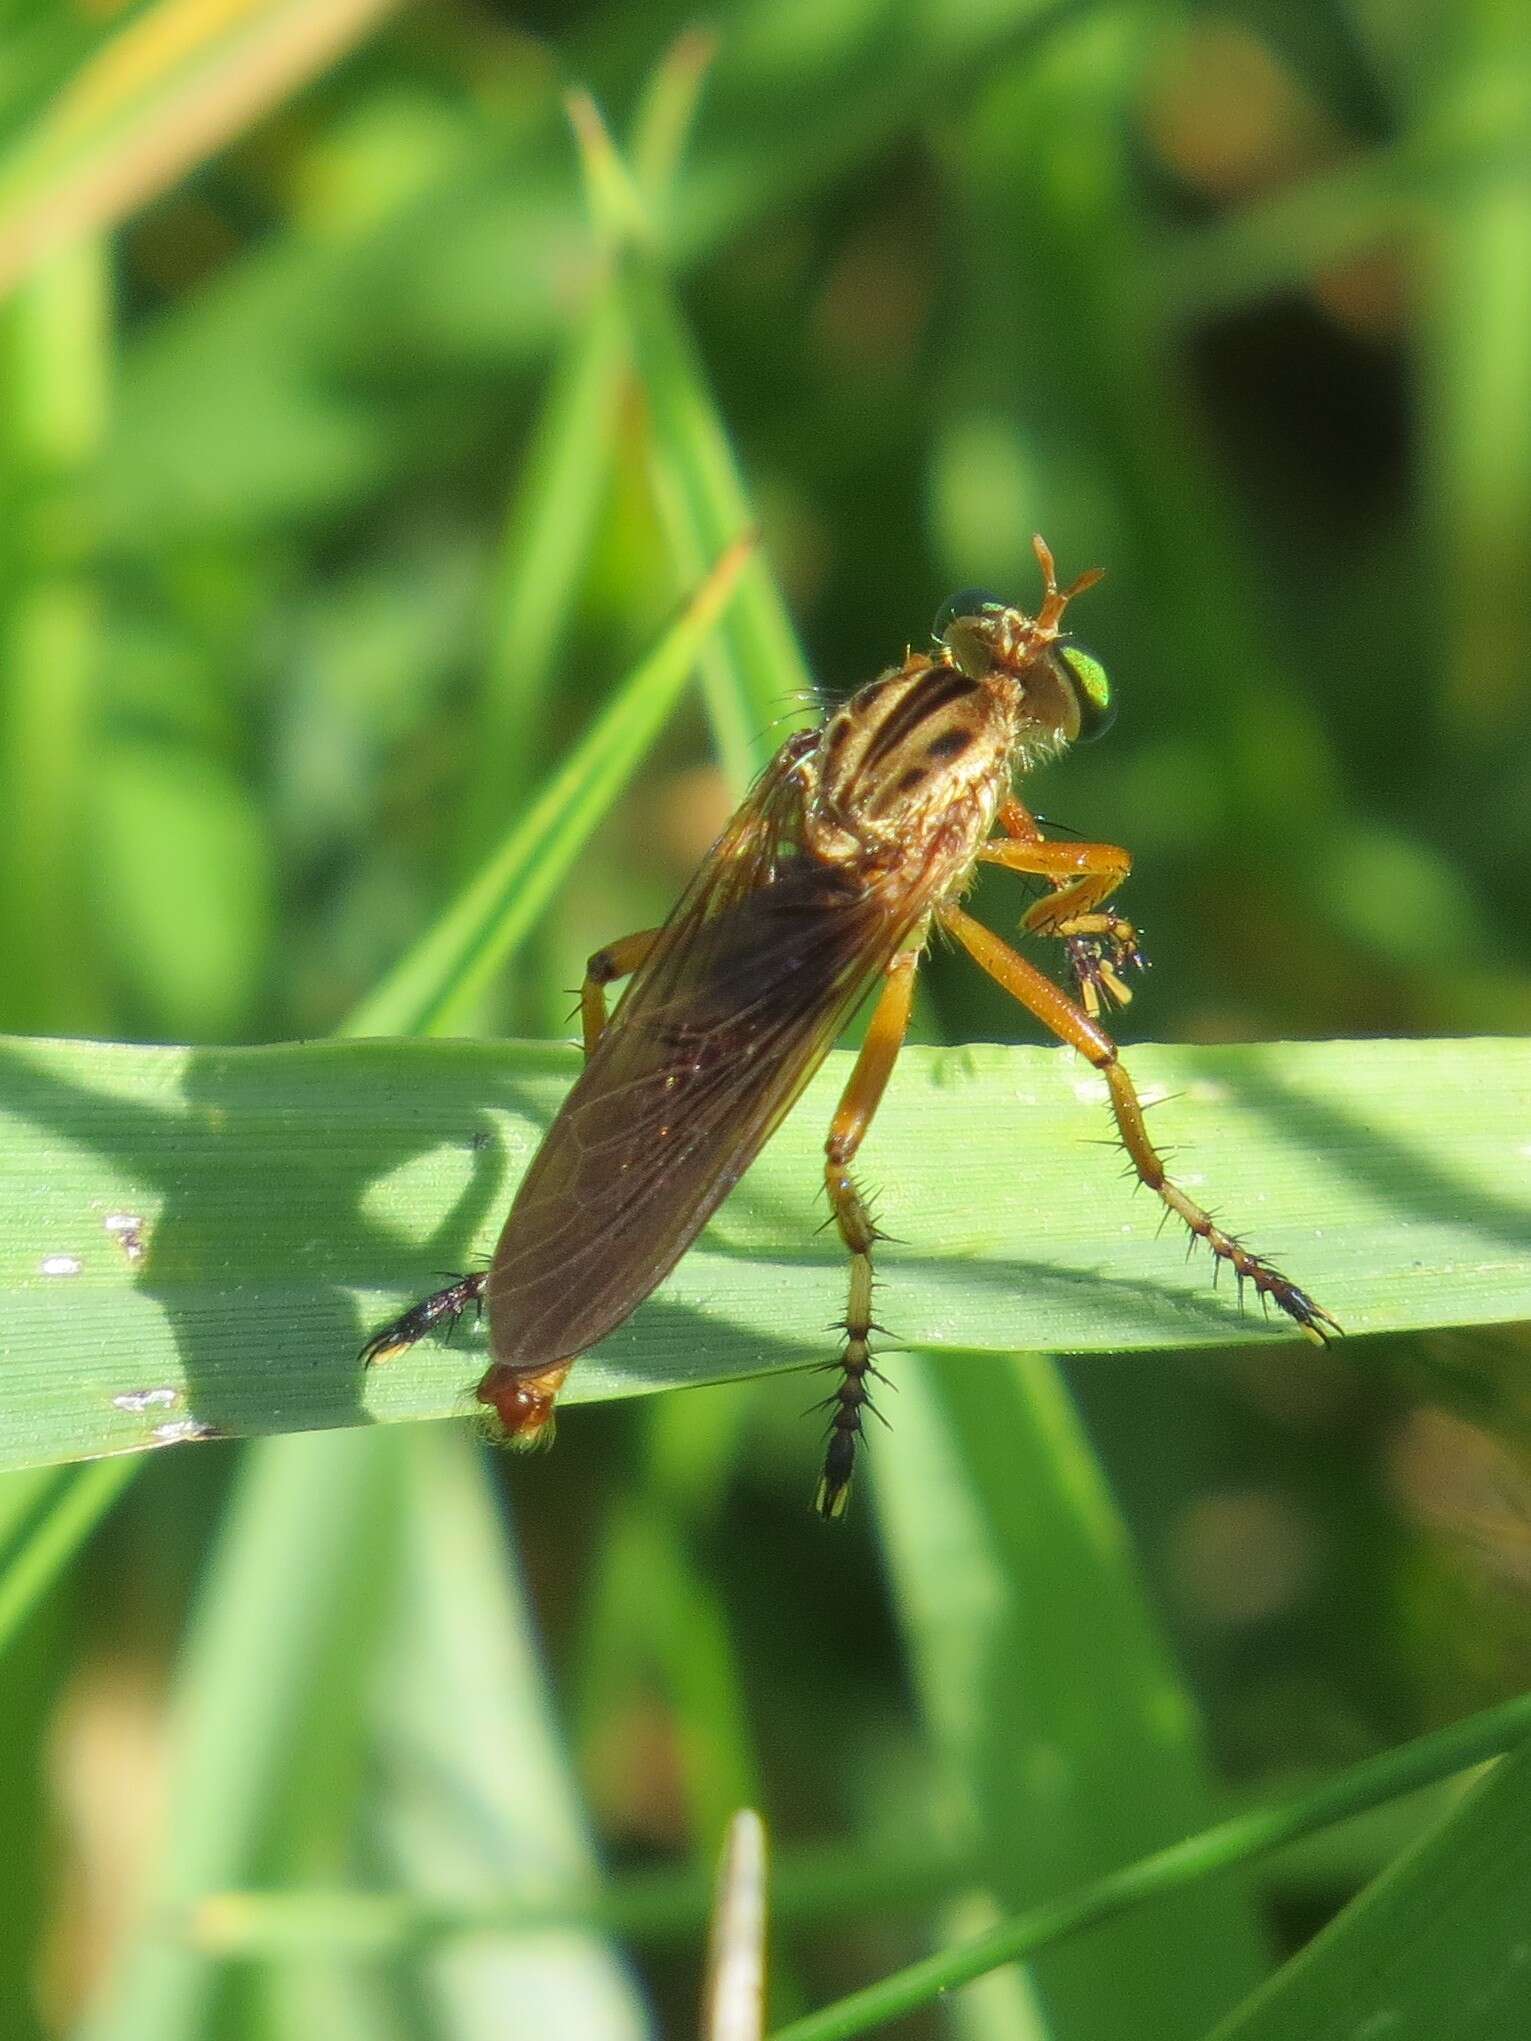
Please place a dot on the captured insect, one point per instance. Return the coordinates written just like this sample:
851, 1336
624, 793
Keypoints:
856, 842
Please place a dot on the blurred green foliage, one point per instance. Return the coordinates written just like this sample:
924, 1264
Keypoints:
344, 476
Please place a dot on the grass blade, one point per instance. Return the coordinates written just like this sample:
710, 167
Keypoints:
1067, 1735
287, 1199
450, 965
755, 670
57, 341
481, 1793
1240, 1841
1435, 1950
171, 86
544, 550
291, 1576
68, 1521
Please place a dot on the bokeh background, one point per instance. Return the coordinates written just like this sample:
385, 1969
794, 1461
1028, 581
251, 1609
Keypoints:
1234, 301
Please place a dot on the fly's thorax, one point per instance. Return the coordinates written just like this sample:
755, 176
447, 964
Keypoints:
921, 743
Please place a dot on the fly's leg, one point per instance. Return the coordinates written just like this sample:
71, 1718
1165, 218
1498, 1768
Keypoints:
862, 1095
1038, 994
1083, 876
400, 1334
616, 961
449, 1304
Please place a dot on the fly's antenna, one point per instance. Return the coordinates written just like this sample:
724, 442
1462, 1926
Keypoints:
1055, 600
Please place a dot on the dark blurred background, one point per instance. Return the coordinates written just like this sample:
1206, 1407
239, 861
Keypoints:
1234, 301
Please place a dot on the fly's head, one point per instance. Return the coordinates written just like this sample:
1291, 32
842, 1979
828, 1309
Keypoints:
1055, 693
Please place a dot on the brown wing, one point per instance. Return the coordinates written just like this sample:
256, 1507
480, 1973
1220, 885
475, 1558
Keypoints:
761, 964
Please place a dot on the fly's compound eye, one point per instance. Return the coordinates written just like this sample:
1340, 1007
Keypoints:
1092, 691
967, 602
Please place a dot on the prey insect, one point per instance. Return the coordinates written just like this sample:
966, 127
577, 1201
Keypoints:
857, 842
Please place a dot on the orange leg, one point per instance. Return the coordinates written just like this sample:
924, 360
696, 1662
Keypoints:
616, 961
1082, 876
1038, 994
449, 1304
860, 1100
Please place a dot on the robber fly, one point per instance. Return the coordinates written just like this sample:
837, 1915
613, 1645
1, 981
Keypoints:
855, 844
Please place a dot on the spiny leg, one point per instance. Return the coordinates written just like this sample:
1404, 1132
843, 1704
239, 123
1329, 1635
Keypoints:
449, 1304
862, 1095
1083, 876
1038, 994
400, 1334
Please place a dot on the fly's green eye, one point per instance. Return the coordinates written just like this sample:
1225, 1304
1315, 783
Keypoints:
1092, 690
967, 602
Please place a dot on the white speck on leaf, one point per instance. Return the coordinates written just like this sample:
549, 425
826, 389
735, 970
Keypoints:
127, 1229
180, 1430
61, 1265
136, 1400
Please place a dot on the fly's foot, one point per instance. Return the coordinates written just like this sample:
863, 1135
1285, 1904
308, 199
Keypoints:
449, 1304
1271, 1286
1312, 1319
1100, 948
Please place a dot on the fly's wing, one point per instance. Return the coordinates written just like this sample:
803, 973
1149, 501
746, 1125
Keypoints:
761, 964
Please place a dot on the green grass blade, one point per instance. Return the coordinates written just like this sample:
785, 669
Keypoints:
666, 115
56, 341
479, 1793
656, 1625
1068, 1737
288, 1199
755, 671
1435, 1950
1240, 1841
290, 1582
1476, 397
755, 683
660, 1905
543, 553
68, 1521
167, 89
433, 986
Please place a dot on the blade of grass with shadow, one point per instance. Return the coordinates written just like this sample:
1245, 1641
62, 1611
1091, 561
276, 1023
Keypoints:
290, 1199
